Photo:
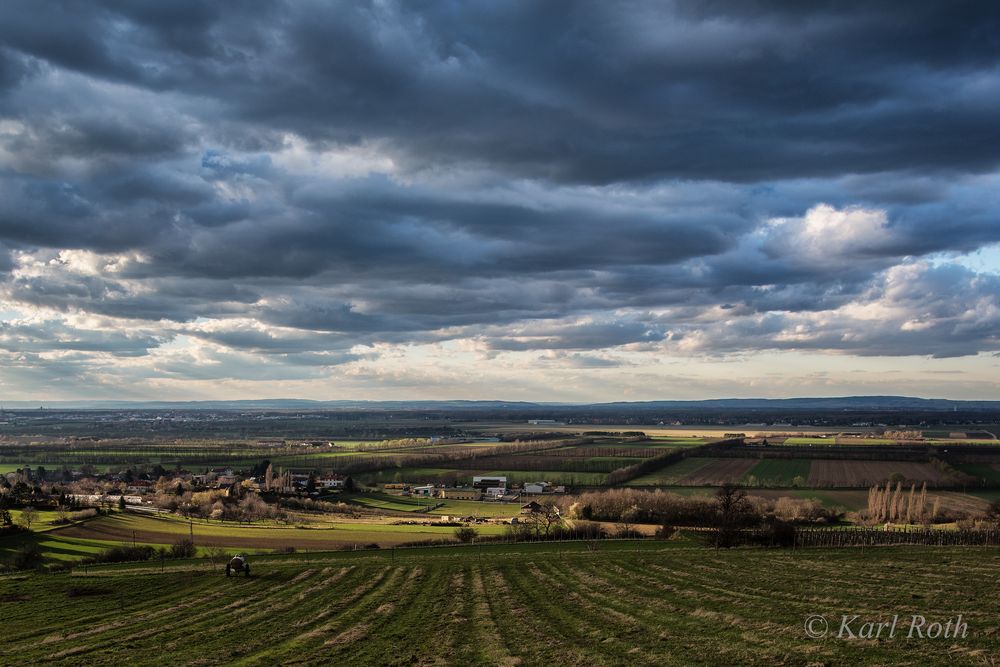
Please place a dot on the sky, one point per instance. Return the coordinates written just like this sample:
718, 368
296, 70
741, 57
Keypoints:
565, 201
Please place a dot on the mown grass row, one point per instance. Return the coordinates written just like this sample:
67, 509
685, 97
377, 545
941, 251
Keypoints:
668, 605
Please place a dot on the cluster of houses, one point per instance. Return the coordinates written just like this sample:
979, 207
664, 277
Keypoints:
486, 488
134, 488
286, 482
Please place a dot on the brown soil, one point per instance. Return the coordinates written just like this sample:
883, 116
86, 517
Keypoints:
719, 472
834, 473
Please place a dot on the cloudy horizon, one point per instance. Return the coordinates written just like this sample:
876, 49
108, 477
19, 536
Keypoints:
522, 201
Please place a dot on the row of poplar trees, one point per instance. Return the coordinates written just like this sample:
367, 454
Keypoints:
888, 503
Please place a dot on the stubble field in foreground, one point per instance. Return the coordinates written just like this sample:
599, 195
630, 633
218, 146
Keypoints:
543, 604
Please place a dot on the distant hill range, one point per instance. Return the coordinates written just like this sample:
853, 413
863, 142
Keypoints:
845, 403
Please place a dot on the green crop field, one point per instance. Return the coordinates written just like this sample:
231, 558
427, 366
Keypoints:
810, 440
980, 470
778, 472
651, 603
989, 495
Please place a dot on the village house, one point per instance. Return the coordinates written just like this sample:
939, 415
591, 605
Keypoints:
300, 479
331, 482
140, 487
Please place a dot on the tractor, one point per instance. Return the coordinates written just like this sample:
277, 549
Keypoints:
238, 564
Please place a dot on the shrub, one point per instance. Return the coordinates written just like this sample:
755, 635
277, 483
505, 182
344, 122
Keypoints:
665, 532
782, 533
13, 528
628, 533
28, 557
183, 548
61, 566
216, 554
466, 534
122, 554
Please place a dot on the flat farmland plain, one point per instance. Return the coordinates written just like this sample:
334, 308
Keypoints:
663, 604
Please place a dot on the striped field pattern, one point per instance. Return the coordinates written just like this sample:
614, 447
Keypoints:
616, 603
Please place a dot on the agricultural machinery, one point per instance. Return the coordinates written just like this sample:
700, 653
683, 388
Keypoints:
238, 564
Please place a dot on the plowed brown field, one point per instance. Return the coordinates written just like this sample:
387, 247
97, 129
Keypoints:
832, 473
719, 472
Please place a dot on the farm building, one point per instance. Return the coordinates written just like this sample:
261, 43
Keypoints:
426, 491
461, 494
537, 487
486, 482
397, 487
531, 508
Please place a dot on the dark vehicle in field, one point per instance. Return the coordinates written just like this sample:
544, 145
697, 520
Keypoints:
238, 564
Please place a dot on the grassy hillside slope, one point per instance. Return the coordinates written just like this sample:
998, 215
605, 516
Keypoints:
649, 603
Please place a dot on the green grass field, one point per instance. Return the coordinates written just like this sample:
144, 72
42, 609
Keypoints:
778, 472
650, 603
980, 470
810, 440
989, 495
43, 522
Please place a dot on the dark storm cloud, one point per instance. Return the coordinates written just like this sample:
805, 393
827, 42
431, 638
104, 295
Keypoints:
551, 176
572, 91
